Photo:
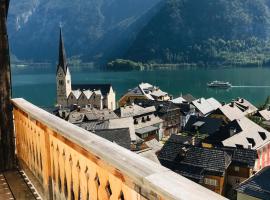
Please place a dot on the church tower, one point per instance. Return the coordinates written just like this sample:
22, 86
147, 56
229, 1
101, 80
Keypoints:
63, 77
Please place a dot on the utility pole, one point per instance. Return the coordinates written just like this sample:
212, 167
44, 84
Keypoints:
7, 144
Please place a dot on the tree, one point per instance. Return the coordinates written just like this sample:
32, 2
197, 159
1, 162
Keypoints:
7, 146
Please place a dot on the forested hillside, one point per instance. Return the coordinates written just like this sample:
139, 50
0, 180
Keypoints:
206, 32
94, 30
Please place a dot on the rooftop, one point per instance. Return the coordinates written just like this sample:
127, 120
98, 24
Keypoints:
258, 185
203, 125
104, 88
206, 106
251, 134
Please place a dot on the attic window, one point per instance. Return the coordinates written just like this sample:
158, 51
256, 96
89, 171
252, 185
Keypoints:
198, 124
263, 135
251, 141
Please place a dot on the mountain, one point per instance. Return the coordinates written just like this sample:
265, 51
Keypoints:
206, 32
92, 28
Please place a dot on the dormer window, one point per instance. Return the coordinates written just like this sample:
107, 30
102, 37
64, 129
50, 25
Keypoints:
143, 120
251, 141
263, 135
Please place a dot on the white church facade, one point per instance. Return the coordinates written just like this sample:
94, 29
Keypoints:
100, 96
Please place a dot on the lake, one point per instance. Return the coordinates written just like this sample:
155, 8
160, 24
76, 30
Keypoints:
250, 83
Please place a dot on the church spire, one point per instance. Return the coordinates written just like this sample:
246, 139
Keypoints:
62, 62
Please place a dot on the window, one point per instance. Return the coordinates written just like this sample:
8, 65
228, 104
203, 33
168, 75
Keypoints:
61, 82
209, 181
237, 169
237, 180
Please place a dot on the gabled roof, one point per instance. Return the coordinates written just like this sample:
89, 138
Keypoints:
249, 135
104, 88
258, 185
162, 107
203, 125
242, 157
232, 112
214, 161
158, 93
206, 106
223, 134
214, 103
245, 106
119, 136
94, 125
178, 100
76, 93
135, 110
265, 114
189, 98
87, 93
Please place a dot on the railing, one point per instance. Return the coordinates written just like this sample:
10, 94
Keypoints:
72, 163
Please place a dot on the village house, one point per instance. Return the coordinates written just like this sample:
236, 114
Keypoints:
147, 124
243, 133
186, 108
144, 91
201, 165
205, 107
256, 187
99, 96
167, 111
217, 169
203, 126
264, 115
228, 113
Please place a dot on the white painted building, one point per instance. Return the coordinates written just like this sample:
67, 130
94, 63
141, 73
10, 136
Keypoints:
94, 95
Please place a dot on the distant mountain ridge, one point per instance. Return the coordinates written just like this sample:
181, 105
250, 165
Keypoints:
206, 32
92, 28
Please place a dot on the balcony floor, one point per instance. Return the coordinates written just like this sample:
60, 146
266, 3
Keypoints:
13, 185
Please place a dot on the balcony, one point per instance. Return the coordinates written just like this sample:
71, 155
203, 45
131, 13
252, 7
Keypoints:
67, 162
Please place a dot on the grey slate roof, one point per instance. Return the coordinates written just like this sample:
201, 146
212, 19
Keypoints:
189, 98
162, 107
210, 159
258, 185
94, 125
208, 125
118, 136
242, 157
174, 154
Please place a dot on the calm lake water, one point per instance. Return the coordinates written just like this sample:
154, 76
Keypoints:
250, 83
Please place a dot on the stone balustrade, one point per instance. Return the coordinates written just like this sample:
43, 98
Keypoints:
68, 162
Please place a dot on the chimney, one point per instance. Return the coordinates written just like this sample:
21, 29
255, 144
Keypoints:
249, 146
242, 100
269, 108
232, 104
78, 108
223, 103
199, 100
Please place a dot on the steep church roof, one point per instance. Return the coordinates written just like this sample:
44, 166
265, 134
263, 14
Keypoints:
62, 62
104, 88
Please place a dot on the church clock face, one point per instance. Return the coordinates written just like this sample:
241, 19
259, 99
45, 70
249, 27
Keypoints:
60, 74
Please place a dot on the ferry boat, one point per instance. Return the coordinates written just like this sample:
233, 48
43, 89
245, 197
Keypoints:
219, 84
